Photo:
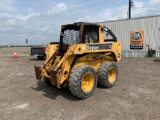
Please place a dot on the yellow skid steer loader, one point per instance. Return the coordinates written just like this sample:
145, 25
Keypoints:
85, 56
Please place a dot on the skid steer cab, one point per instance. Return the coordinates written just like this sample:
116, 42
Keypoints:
85, 55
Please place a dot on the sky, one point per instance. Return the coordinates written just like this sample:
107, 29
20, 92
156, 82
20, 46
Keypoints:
40, 21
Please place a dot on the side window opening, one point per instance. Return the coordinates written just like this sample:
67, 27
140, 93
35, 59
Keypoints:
107, 37
90, 34
91, 37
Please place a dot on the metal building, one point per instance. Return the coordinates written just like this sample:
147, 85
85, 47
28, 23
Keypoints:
137, 34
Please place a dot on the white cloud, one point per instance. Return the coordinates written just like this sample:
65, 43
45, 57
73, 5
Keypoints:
28, 16
61, 7
154, 1
45, 28
10, 22
4, 43
2, 14
146, 9
137, 9
138, 4
6, 5
108, 14
7, 28
86, 19
19, 18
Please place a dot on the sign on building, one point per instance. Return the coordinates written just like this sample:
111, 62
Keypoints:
136, 39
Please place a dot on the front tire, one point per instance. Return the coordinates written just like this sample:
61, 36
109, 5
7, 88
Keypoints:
107, 74
82, 81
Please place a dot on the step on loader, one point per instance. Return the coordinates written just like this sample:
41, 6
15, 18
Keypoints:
85, 55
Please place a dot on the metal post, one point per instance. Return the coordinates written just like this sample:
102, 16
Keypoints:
129, 8
35, 37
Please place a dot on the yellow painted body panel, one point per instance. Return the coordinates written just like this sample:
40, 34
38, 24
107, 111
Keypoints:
47, 65
49, 51
116, 49
88, 59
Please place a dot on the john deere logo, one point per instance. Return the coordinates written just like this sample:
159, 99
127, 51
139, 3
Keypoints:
136, 36
92, 47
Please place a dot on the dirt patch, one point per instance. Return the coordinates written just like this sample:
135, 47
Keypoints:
136, 95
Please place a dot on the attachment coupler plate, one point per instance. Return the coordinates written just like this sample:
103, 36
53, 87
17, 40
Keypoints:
38, 72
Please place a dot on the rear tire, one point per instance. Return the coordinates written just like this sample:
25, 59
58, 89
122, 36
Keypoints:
107, 74
82, 81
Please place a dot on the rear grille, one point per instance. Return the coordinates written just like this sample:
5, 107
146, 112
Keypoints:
70, 37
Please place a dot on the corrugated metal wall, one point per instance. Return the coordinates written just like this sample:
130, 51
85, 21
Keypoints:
122, 29
139, 53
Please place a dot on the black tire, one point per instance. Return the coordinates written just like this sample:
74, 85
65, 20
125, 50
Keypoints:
107, 74
77, 81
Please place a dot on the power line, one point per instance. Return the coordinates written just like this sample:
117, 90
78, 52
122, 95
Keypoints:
91, 5
73, 9
150, 10
86, 6
146, 6
146, 9
32, 32
153, 10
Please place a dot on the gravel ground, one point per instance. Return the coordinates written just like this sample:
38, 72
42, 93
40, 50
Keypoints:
136, 96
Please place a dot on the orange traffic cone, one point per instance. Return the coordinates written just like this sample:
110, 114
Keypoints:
15, 55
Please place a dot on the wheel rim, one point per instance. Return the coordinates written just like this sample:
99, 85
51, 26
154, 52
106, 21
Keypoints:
112, 75
87, 82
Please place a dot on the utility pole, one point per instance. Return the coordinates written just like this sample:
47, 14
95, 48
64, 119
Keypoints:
129, 8
35, 37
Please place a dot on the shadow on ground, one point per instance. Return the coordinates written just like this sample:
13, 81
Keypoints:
35, 59
52, 92
156, 60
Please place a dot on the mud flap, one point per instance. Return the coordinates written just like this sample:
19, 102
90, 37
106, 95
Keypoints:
38, 72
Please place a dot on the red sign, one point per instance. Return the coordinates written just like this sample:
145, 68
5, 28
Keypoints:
26, 41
